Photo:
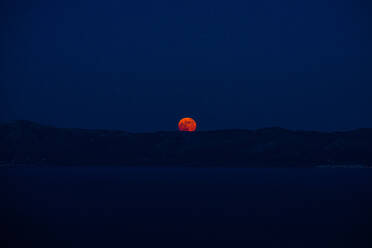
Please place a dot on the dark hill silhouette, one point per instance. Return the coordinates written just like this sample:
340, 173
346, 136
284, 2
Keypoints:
30, 143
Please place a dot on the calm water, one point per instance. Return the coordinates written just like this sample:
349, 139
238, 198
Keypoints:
147, 207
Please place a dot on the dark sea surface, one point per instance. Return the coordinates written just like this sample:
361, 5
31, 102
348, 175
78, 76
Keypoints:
184, 207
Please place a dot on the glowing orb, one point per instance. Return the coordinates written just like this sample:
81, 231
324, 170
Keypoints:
187, 124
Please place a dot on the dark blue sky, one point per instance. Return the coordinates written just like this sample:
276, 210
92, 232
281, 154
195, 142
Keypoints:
142, 65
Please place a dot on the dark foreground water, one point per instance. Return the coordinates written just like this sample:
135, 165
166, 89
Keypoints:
157, 207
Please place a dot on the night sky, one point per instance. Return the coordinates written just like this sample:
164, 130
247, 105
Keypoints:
142, 65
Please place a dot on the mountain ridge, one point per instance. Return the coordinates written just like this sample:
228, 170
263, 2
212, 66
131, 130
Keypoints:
28, 142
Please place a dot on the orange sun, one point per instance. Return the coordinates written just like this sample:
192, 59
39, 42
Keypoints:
187, 124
